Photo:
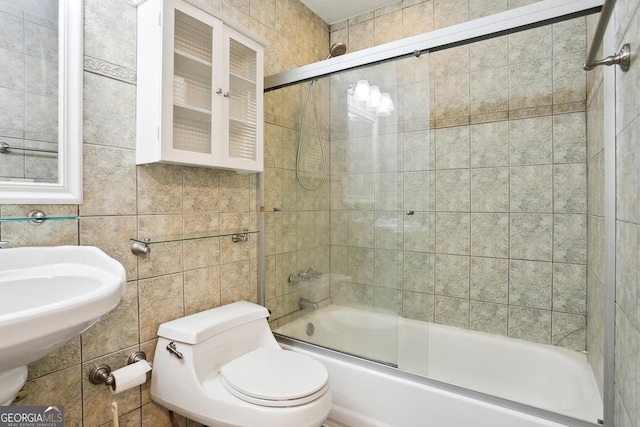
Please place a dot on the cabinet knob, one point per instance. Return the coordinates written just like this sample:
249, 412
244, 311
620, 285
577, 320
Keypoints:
226, 95
219, 91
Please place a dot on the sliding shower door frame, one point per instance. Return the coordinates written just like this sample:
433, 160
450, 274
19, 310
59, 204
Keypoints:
523, 18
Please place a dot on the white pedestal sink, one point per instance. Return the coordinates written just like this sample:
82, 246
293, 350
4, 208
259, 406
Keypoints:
48, 296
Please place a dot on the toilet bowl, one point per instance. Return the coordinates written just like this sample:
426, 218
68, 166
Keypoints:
223, 367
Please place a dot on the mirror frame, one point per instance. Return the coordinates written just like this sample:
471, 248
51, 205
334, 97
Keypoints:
68, 189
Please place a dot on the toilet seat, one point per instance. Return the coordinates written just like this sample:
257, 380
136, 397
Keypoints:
275, 378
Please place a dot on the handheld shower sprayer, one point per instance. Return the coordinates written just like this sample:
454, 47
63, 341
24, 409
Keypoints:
336, 49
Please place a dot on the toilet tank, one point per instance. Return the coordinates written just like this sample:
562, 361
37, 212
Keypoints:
217, 336
195, 328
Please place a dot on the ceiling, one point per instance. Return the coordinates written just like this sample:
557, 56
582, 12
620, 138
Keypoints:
332, 11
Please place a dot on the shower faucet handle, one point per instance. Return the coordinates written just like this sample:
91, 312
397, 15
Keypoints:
293, 279
304, 276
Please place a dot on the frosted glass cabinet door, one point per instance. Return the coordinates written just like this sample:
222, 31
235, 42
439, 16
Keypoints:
243, 133
192, 84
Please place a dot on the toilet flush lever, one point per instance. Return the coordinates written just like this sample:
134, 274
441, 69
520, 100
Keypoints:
172, 349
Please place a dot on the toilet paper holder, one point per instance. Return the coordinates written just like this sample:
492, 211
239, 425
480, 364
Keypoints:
101, 373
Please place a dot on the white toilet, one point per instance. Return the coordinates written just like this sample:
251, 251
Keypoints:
223, 367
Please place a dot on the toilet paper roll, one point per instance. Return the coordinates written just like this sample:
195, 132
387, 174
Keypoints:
130, 376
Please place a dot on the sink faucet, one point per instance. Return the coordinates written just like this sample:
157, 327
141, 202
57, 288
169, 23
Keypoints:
305, 303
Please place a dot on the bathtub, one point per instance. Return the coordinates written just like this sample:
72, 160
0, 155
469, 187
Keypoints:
489, 374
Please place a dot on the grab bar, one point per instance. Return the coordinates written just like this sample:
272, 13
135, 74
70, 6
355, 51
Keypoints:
6, 149
623, 58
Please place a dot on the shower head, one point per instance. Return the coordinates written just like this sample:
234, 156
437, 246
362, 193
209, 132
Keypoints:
337, 49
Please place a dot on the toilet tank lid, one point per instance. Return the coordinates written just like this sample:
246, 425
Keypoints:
197, 327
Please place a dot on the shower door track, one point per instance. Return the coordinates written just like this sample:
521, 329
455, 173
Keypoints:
535, 15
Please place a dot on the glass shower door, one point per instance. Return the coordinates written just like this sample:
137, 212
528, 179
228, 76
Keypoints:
372, 218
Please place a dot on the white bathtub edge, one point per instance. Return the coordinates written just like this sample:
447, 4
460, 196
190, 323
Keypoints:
439, 402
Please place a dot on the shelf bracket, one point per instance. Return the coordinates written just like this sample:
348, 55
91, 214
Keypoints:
37, 216
240, 237
141, 248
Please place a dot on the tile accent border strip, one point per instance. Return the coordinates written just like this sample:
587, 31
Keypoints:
522, 113
106, 69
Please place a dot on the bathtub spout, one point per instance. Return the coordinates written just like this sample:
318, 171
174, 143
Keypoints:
305, 303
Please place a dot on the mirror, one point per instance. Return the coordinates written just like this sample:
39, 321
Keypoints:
41, 108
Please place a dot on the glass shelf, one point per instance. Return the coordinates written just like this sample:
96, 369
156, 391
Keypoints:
192, 236
187, 57
46, 218
194, 110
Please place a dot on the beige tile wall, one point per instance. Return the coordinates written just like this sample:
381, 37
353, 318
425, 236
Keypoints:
122, 200
503, 191
296, 220
627, 340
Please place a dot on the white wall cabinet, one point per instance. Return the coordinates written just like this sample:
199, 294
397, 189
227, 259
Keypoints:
199, 88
